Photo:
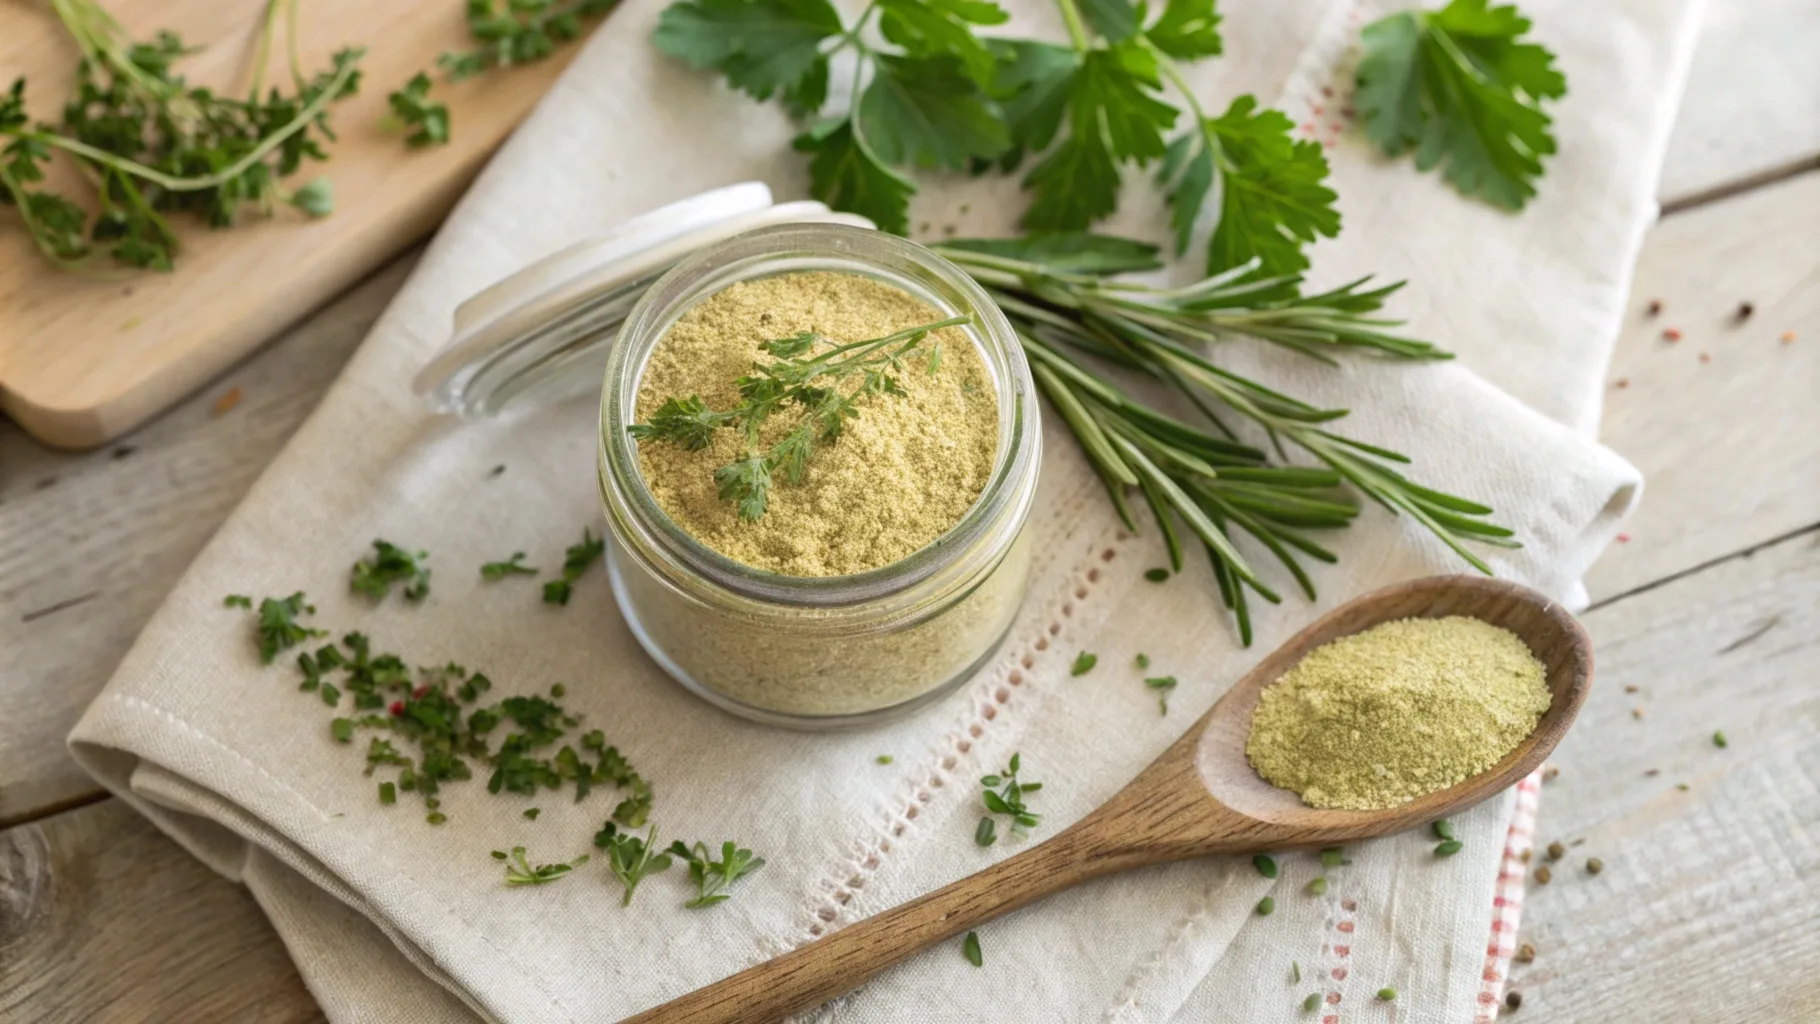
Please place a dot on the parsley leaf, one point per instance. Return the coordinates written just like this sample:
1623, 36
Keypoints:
1187, 30
1032, 87
390, 563
1457, 87
278, 629
936, 28
764, 47
1114, 117
1116, 20
427, 122
513, 566
575, 562
1083, 663
630, 858
925, 111
1271, 192
847, 175
713, 878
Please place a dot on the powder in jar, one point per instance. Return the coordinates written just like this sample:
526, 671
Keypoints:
898, 476
1398, 711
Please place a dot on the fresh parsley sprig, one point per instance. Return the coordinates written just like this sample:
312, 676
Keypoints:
1460, 88
1063, 297
712, 877
389, 564
519, 870
276, 627
513, 566
575, 563
630, 858
1004, 794
806, 371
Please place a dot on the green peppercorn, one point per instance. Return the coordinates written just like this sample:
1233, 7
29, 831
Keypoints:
1267, 906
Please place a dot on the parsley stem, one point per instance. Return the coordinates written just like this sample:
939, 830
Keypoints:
330, 93
1077, 32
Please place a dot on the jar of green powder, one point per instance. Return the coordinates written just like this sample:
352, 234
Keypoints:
888, 572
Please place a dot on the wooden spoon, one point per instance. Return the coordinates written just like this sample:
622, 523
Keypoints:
1200, 797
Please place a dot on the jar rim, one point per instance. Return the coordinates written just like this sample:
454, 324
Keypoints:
841, 249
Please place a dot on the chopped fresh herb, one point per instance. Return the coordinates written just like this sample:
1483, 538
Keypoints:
1083, 663
1387, 994
1004, 794
970, 948
436, 817
1156, 575
1333, 857
388, 792
391, 564
1295, 972
237, 601
520, 872
1267, 906
1163, 685
1318, 887
713, 878
559, 691
630, 858
1449, 848
575, 562
797, 375
532, 812
1443, 829
512, 32
426, 123
513, 566
1313, 1001
884, 759
1265, 863
1719, 740
1457, 87
1143, 661
278, 629
342, 729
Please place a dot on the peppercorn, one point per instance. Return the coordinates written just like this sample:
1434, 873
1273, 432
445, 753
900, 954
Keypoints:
1745, 309
1549, 772
1513, 999
1543, 875
1526, 953
1594, 865
1556, 851
1654, 307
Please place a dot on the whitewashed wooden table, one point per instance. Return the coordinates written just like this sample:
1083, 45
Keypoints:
1707, 617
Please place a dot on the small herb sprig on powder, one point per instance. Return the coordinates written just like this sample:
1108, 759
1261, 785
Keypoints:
713, 878
389, 564
1004, 794
799, 375
631, 859
519, 870
1459, 88
575, 562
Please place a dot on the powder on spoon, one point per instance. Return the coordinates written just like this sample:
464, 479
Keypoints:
1398, 711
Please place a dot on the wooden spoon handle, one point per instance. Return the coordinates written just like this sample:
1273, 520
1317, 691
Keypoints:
838, 962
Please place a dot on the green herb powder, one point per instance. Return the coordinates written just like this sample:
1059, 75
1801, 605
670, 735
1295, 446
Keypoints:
897, 476
1400, 710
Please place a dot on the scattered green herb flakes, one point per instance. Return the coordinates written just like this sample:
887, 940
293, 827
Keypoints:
1333, 857
513, 566
388, 792
970, 948
1156, 575
1143, 661
1459, 88
1083, 663
1313, 1001
1318, 887
391, 564
575, 562
436, 817
425, 122
713, 878
1443, 829
1719, 740
277, 628
1387, 994
1295, 972
1449, 848
531, 813
1164, 685
1265, 863
559, 691
237, 601
884, 759
1004, 794
1267, 906
342, 729
631, 859
516, 32
519, 870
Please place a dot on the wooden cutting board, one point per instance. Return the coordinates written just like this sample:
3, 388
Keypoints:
84, 360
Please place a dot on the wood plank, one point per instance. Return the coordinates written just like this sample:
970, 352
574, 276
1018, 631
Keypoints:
90, 544
104, 919
1705, 907
1749, 105
85, 357
1721, 422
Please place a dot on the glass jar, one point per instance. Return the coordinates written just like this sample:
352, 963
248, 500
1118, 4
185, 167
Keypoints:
820, 652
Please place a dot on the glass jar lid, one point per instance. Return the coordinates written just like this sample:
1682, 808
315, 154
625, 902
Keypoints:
542, 332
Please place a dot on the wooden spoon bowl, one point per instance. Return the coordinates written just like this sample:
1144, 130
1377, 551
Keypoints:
1200, 797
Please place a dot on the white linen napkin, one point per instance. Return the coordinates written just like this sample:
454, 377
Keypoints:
393, 920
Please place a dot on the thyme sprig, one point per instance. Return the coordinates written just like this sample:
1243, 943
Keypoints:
806, 370
712, 877
1062, 296
519, 870
630, 858
1004, 794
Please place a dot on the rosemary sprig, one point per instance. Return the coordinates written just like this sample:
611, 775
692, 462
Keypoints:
1065, 303
806, 370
